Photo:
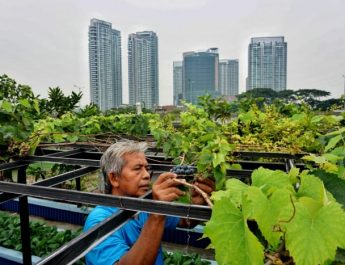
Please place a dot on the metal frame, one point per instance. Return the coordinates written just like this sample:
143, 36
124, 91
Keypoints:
88, 161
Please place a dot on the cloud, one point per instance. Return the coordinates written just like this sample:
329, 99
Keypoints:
168, 4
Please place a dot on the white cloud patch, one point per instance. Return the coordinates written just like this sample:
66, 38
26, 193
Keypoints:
168, 4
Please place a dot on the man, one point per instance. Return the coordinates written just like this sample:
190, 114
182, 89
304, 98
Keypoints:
126, 173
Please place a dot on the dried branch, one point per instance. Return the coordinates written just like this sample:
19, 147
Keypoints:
200, 191
182, 158
273, 259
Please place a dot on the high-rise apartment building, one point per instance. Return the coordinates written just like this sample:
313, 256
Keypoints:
105, 65
143, 69
200, 74
267, 63
228, 77
178, 82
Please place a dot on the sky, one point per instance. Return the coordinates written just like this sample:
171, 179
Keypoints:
45, 43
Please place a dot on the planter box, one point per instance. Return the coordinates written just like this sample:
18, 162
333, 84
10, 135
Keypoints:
181, 235
13, 257
50, 210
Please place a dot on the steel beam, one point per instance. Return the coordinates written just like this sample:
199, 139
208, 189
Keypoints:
197, 212
53, 181
79, 246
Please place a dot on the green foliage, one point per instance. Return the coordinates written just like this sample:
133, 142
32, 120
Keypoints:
88, 111
273, 130
289, 211
125, 110
311, 97
197, 140
178, 258
332, 156
58, 104
217, 108
72, 128
19, 108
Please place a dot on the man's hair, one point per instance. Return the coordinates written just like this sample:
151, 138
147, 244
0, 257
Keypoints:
112, 160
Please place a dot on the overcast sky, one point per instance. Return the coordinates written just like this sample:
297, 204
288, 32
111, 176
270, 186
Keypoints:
44, 43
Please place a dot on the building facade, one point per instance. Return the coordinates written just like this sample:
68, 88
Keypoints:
267, 63
143, 69
105, 65
178, 82
200, 74
228, 77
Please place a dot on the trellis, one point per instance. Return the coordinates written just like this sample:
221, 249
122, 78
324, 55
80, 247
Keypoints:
88, 160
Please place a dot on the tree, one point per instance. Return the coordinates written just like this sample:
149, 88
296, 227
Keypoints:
309, 94
259, 93
58, 104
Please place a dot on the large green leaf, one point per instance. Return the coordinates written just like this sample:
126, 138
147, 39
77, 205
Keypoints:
333, 184
25, 102
312, 187
267, 212
6, 106
333, 142
236, 188
313, 237
229, 234
269, 180
218, 158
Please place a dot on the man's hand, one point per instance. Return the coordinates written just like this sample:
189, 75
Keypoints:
205, 184
165, 189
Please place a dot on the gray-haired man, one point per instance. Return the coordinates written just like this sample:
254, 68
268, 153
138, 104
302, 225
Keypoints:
126, 173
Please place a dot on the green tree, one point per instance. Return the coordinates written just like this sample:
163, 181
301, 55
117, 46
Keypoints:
266, 93
308, 94
58, 104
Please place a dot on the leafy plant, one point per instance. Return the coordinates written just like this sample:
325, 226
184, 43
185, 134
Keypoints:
58, 104
297, 220
44, 239
178, 258
19, 108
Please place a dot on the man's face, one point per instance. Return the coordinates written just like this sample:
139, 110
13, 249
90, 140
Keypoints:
134, 180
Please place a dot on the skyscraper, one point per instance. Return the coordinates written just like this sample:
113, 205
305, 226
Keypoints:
178, 82
267, 63
200, 74
228, 77
105, 65
143, 68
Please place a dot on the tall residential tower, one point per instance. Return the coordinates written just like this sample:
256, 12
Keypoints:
143, 69
178, 82
267, 63
228, 77
105, 65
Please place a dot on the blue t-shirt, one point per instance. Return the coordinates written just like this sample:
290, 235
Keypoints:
119, 243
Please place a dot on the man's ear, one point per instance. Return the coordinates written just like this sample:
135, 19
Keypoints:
113, 179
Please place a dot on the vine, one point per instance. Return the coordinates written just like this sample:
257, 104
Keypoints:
290, 221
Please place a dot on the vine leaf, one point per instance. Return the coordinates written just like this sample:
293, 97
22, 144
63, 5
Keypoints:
269, 180
313, 187
6, 106
313, 236
268, 211
333, 142
231, 237
236, 188
334, 184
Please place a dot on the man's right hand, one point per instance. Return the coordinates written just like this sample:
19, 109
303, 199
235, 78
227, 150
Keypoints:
165, 189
